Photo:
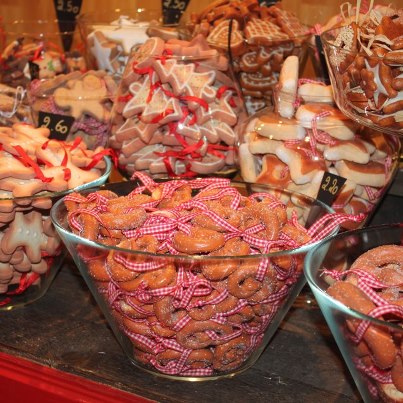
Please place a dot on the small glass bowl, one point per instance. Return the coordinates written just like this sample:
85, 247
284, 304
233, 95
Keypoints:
313, 139
337, 254
185, 123
38, 50
31, 252
358, 87
109, 35
85, 98
156, 334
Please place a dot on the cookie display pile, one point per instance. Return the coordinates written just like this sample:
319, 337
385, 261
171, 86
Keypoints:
365, 57
198, 298
177, 110
372, 286
33, 172
306, 135
261, 37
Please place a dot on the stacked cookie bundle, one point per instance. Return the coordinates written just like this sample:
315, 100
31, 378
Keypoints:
306, 136
177, 110
33, 171
366, 61
259, 38
86, 97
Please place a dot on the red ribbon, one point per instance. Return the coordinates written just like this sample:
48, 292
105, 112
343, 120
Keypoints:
25, 158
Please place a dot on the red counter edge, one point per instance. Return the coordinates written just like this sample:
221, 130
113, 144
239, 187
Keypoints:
22, 380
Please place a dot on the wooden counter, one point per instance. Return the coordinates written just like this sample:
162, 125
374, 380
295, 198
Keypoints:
66, 331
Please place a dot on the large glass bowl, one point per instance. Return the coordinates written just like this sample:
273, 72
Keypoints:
31, 252
182, 318
373, 376
364, 91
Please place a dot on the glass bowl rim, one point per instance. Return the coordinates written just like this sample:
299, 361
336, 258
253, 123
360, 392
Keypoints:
187, 258
40, 195
332, 301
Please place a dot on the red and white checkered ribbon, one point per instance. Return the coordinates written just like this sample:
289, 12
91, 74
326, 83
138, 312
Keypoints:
327, 224
374, 372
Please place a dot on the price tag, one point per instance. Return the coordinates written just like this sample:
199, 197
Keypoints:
59, 125
172, 10
66, 12
330, 187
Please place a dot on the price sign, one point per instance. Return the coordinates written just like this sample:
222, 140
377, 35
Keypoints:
59, 125
172, 10
330, 187
66, 12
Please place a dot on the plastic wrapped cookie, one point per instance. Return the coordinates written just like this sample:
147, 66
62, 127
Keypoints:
177, 110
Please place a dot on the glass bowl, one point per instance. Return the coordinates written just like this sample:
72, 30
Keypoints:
363, 92
31, 252
177, 110
78, 104
38, 50
368, 342
179, 307
305, 138
109, 35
